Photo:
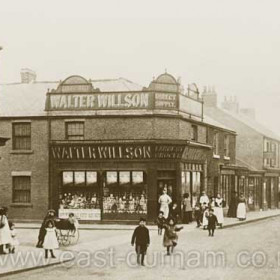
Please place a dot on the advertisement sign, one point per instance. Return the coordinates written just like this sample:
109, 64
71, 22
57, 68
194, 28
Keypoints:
81, 214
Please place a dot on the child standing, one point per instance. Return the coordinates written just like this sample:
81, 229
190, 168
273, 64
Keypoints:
170, 238
14, 242
205, 218
212, 221
50, 241
141, 239
160, 222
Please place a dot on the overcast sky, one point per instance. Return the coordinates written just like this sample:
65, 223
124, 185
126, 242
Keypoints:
234, 45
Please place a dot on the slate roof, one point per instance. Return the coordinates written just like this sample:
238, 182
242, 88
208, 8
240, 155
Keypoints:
26, 100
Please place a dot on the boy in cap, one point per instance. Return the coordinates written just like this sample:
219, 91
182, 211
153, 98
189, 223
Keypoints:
141, 239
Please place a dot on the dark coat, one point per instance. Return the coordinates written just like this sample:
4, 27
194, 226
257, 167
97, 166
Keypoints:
160, 222
141, 236
232, 207
212, 221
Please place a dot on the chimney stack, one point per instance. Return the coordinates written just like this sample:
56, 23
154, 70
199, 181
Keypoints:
27, 76
209, 96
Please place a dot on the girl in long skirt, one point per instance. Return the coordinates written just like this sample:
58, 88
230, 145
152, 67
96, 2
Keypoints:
241, 208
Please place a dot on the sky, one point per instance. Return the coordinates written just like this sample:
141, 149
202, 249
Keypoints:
232, 45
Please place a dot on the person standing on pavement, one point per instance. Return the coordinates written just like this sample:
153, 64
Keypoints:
218, 210
5, 233
212, 221
141, 239
175, 212
164, 201
232, 205
204, 200
50, 216
241, 208
50, 239
187, 209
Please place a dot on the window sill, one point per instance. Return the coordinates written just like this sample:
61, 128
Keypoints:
21, 204
226, 158
216, 156
21, 152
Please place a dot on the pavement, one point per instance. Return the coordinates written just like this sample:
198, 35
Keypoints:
30, 258
229, 222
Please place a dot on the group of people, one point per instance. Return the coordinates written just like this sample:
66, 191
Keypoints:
8, 238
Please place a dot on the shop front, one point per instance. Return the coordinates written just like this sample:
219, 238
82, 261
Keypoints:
121, 181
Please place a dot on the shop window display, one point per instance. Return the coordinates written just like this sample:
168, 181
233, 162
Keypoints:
79, 190
125, 193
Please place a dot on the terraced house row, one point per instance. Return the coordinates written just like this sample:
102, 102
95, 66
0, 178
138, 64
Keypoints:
105, 149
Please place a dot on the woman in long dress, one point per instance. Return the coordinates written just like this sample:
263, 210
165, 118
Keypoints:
164, 201
5, 232
241, 208
218, 210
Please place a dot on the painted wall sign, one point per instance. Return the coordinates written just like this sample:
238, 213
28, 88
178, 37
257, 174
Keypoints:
102, 101
100, 152
125, 152
166, 100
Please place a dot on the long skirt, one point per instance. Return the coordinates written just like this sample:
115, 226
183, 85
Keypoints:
241, 211
218, 211
165, 209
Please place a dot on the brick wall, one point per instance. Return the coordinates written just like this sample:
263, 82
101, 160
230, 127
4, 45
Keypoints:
35, 162
131, 128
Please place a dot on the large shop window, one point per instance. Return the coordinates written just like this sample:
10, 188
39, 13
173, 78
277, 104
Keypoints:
191, 180
75, 130
125, 193
21, 189
80, 190
22, 136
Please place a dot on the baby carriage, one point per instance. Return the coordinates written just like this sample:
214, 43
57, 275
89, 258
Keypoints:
67, 231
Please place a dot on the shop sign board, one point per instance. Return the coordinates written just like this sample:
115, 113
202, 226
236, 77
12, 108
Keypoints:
81, 214
100, 101
129, 151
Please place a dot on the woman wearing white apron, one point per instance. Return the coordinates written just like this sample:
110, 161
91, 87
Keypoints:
218, 210
241, 208
164, 201
5, 233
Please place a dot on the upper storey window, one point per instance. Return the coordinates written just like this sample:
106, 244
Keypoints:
75, 130
22, 136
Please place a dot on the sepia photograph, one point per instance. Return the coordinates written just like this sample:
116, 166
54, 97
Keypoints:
139, 140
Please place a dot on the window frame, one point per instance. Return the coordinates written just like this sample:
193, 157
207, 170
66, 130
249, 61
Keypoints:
194, 131
15, 137
226, 145
216, 143
71, 136
27, 190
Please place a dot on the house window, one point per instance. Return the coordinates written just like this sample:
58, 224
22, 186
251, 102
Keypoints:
226, 145
75, 130
194, 133
21, 189
22, 136
216, 143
